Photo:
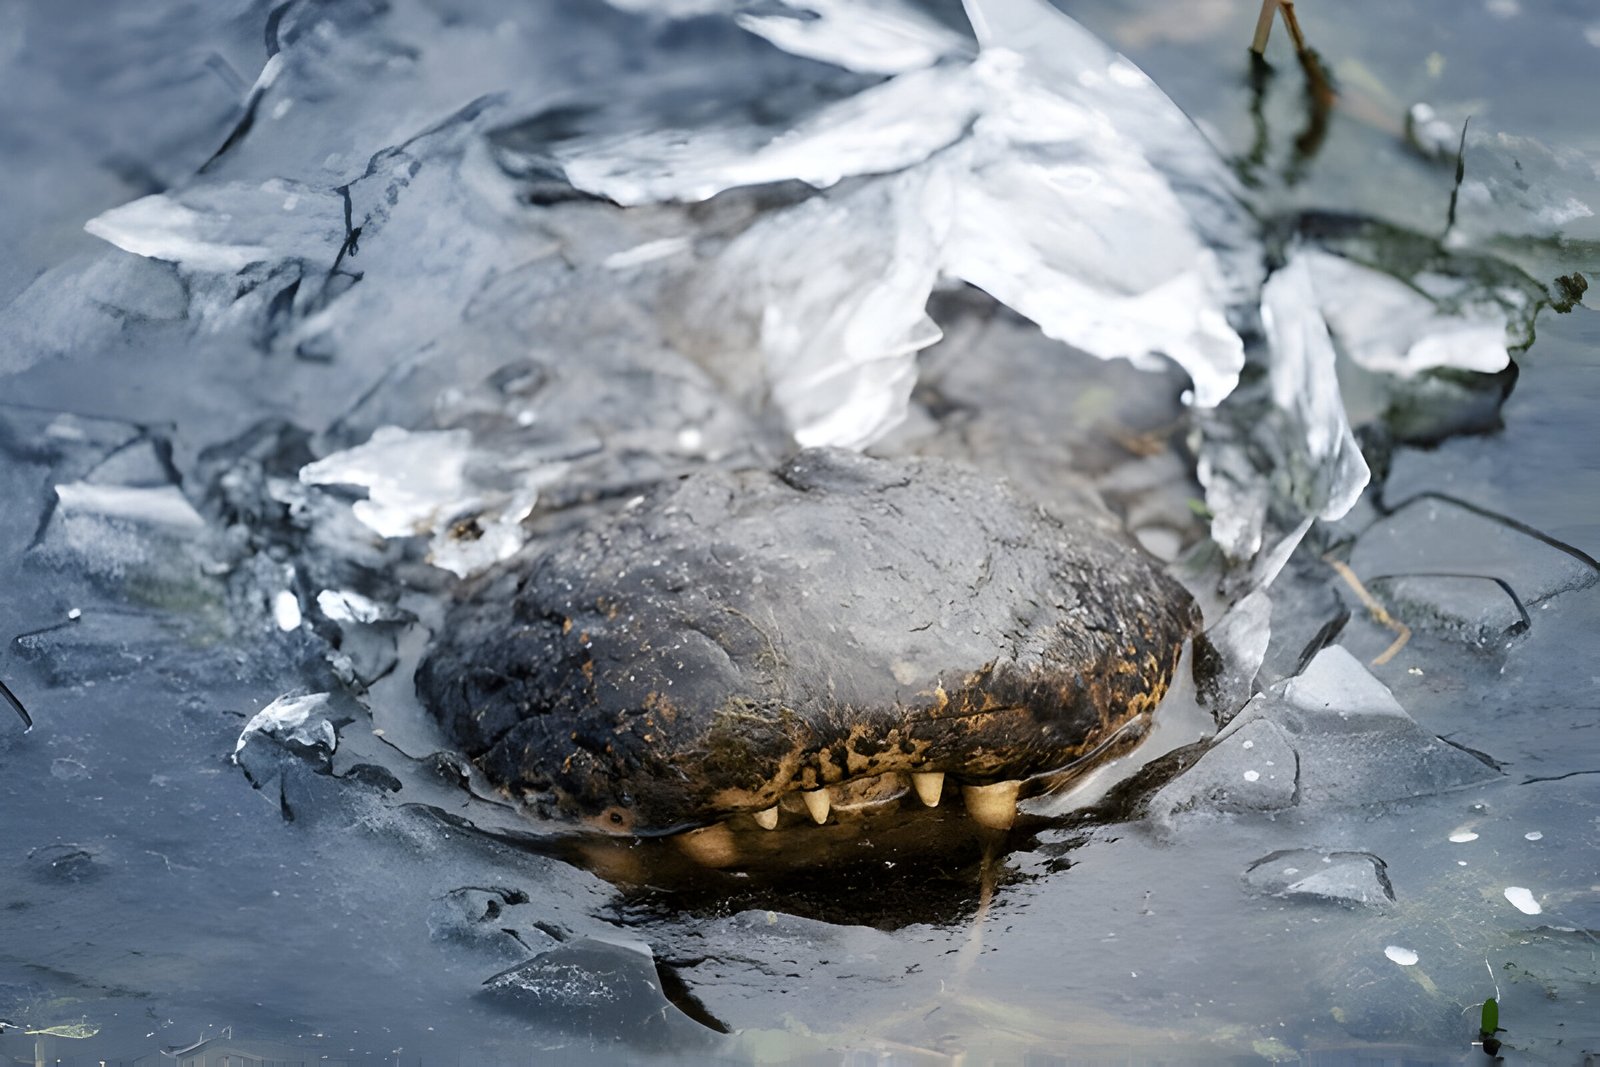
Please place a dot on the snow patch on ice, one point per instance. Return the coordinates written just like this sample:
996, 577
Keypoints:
286, 610
1522, 899
1405, 957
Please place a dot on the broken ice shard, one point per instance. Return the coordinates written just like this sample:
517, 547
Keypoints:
1385, 324
1049, 171
1311, 874
226, 227
290, 718
1332, 473
1331, 736
422, 484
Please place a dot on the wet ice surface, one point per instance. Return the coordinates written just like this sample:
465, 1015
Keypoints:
158, 421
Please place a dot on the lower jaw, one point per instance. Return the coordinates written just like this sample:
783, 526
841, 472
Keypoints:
895, 817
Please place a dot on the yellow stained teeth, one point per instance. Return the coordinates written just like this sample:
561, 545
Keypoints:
928, 784
994, 806
817, 803
768, 819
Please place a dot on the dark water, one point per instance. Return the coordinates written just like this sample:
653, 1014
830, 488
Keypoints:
153, 893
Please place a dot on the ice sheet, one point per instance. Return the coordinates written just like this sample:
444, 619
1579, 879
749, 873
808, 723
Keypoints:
1069, 187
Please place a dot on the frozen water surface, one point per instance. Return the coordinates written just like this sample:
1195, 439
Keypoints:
310, 309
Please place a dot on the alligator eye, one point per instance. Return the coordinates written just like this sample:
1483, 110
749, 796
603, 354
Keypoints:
616, 818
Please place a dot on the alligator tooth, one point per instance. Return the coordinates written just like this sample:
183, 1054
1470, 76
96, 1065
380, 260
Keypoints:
817, 803
929, 784
768, 819
994, 806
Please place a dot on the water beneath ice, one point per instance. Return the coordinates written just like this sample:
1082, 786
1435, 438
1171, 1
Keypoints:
309, 309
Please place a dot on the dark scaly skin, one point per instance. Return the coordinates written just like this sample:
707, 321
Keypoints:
740, 636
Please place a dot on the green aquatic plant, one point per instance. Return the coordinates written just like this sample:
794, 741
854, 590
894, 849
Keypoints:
1488, 1026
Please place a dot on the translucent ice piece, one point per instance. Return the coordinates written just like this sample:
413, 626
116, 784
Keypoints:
838, 286
412, 479
289, 718
1387, 325
163, 505
870, 36
1059, 56
882, 129
421, 484
346, 605
1071, 189
225, 228
1331, 473
1335, 737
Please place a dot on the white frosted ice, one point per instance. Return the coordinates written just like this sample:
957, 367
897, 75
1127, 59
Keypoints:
289, 718
344, 605
159, 227
1462, 837
500, 533
286, 610
870, 36
1305, 386
413, 480
418, 485
1386, 325
1405, 957
678, 9
163, 505
1533, 835
1522, 900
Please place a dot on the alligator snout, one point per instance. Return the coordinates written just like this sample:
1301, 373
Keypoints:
788, 646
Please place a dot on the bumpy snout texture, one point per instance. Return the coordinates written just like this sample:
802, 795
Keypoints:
737, 637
